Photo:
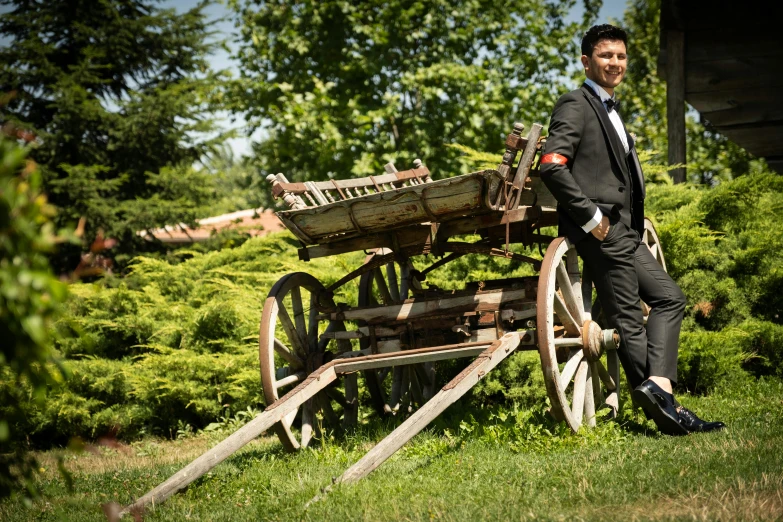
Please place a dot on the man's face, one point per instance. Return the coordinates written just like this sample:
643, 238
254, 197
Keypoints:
607, 65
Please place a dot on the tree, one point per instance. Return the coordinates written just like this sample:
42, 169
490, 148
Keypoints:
114, 90
343, 87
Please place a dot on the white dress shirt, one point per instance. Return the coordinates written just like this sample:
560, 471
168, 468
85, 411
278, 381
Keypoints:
618, 127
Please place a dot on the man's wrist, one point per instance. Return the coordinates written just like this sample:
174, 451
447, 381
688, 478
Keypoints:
594, 222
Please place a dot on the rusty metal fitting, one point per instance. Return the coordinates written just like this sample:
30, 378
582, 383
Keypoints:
592, 337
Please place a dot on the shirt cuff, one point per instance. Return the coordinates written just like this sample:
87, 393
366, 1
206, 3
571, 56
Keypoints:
590, 225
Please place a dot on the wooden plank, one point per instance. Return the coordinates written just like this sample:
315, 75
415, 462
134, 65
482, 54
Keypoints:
416, 308
403, 358
675, 101
732, 74
524, 166
456, 196
455, 389
762, 140
733, 42
262, 422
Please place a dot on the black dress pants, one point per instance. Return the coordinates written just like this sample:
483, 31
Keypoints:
623, 270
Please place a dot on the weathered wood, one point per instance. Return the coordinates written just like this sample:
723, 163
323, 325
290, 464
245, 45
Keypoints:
455, 389
524, 166
444, 199
570, 368
513, 145
569, 323
417, 308
613, 397
590, 397
569, 295
273, 414
578, 401
675, 101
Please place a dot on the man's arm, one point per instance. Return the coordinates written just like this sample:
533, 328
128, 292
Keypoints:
565, 133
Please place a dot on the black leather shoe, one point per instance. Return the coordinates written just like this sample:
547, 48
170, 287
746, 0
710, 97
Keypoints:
659, 406
692, 423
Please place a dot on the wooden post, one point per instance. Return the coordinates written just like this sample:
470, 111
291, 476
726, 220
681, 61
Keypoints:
455, 389
675, 101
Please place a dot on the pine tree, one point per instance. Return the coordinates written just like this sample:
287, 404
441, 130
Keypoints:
114, 91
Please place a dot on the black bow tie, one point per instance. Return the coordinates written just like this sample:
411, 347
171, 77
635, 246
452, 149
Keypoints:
612, 104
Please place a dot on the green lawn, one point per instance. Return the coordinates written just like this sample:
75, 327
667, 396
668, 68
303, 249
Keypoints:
619, 472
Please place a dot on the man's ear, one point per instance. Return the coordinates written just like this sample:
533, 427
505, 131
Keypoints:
585, 62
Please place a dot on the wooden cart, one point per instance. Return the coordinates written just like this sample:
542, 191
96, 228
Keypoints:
313, 349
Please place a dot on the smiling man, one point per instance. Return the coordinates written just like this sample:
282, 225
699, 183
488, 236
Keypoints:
591, 167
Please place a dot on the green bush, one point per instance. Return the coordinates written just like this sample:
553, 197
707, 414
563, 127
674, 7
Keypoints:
30, 297
174, 343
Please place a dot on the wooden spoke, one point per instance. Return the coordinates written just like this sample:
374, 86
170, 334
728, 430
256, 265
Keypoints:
569, 297
288, 420
290, 330
286, 345
289, 356
390, 285
589, 398
308, 419
605, 377
597, 391
570, 368
396, 391
312, 324
613, 397
416, 388
382, 286
290, 379
325, 405
565, 317
569, 341
580, 382
394, 286
299, 320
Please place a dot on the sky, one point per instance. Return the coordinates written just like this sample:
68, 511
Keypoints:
222, 60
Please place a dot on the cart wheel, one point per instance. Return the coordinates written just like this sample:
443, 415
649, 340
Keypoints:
290, 349
650, 239
387, 285
577, 356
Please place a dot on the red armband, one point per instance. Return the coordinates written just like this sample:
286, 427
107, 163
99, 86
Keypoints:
553, 157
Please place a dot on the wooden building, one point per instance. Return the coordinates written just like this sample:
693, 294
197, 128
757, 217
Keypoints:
726, 60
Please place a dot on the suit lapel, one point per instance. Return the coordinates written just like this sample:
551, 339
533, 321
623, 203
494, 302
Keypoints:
606, 124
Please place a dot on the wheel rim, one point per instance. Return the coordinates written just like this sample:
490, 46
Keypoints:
406, 385
290, 349
653, 243
575, 381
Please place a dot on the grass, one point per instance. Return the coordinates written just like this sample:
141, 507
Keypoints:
460, 470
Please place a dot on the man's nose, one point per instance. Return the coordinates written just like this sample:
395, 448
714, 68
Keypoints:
613, 60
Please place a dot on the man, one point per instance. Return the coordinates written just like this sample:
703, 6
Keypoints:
590, 166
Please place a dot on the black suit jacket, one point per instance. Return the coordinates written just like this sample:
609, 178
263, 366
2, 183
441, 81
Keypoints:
598, 172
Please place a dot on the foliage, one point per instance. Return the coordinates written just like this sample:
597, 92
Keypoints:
411, 78
30, 297
465, 474
114, 93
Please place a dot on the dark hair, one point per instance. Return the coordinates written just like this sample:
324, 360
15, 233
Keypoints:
601, 32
